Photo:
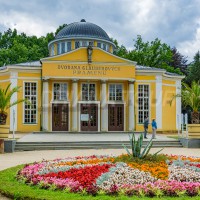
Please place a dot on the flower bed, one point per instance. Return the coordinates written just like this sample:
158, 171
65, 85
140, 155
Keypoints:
174, 176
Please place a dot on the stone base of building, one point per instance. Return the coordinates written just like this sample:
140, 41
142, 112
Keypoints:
9, 146
190, 143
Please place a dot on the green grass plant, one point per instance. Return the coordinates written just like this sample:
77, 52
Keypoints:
148, 159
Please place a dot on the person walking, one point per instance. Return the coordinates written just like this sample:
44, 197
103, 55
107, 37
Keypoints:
154, 127
146, 124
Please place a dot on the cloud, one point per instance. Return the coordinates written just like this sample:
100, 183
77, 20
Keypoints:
190, 47
174, 22
25, 23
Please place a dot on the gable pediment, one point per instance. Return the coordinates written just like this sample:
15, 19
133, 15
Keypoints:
80, 55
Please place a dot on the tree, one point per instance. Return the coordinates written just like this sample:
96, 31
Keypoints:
194, 69
179, 61
152, 54
120, 51
5, 101
16, 48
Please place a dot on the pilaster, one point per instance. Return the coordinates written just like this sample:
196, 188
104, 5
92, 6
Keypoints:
178, 104
13, 109
74, 105
104, 107
45, 106
131, 106
159, 101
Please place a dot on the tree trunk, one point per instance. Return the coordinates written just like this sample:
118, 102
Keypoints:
195, 117
3, 117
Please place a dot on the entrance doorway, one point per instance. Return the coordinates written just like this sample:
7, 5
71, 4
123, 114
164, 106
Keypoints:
89, 117
115, 117
60, 117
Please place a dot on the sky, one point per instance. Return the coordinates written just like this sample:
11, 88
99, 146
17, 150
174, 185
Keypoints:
174, 22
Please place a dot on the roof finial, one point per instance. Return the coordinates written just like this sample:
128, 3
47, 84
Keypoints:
83, 20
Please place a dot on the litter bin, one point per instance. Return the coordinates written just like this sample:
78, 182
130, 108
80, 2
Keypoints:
1, 145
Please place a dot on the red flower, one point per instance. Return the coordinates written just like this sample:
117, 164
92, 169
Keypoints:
85, 176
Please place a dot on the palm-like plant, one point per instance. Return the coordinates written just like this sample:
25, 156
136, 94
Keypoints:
5, 101
191, 97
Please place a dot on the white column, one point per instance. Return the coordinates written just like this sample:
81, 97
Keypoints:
159, 101
74, 105
131, 106
104, 107
13, 109
45, 106
178, 104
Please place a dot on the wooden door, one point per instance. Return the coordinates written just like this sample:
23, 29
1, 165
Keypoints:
115, 117
89, 117
60, 117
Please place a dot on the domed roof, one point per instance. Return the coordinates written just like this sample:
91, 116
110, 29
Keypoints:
82, 29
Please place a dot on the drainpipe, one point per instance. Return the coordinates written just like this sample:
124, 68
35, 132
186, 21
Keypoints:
41, 100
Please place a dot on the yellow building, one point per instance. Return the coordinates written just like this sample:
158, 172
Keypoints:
82, 86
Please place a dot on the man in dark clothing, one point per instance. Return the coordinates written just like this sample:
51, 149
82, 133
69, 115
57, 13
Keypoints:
146, 123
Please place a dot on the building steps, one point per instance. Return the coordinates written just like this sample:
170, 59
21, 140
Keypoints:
32, 146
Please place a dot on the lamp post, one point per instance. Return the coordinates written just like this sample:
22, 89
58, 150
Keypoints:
89, 52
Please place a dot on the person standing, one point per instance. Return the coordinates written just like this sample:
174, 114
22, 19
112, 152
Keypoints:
146, 124
154, 128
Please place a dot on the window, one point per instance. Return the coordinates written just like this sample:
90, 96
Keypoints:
68, 46
60, 91
30, 107
58, 48
91, 43
99, 44
77, 44
88, 92
52, 50
104, 47
115, 92
143, 102
63, 47
84, 43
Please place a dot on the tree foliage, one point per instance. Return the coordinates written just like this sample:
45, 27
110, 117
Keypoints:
17, 48
152, 54
179, 61
194, 69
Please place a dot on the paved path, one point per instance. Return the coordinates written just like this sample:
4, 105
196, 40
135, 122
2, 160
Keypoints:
12, 159
67, 137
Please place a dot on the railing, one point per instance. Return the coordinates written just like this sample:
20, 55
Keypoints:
182, 126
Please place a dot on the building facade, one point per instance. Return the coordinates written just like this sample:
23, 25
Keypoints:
82, 86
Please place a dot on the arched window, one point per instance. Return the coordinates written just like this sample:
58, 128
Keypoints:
52, 50
62, 47
69, 46
77, 44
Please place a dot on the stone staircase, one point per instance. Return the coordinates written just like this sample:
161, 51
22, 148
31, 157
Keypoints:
32, 146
